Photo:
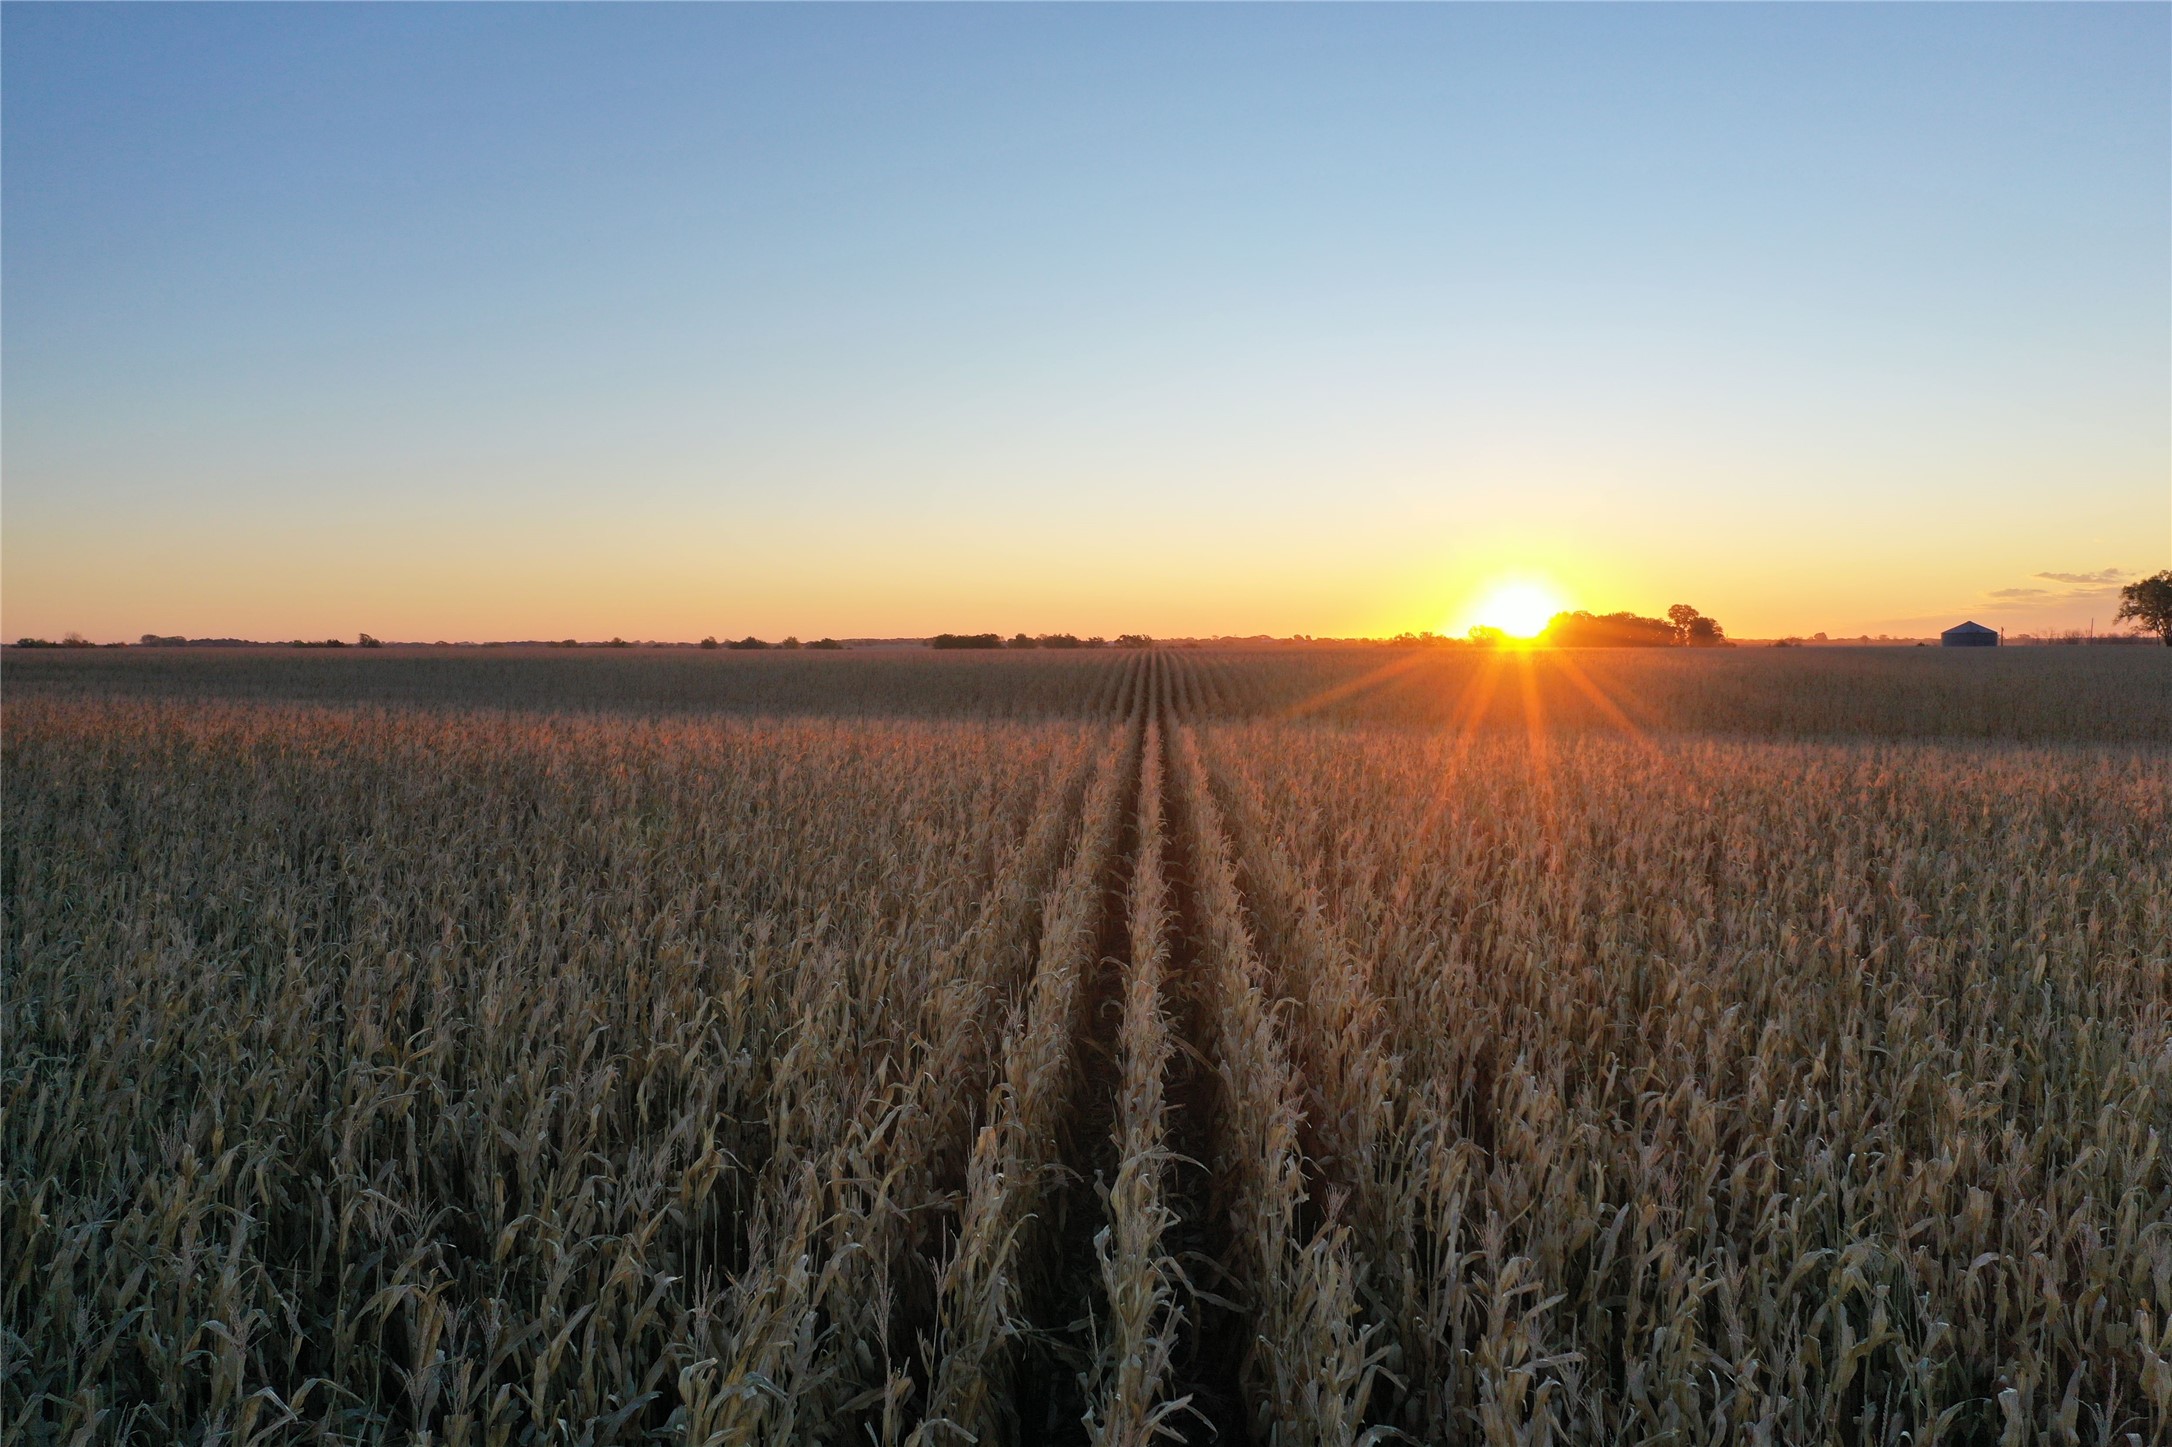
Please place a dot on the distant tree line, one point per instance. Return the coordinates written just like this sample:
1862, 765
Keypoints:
1683, 627
67, 640
365, 640
1044, 640
750, 643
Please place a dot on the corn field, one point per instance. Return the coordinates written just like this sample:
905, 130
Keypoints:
1158, 1045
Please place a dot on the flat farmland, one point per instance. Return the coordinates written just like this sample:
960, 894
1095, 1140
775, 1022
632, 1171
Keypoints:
1292, 1046
2052, 694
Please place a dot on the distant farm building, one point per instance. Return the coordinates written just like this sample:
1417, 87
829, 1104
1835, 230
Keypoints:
1969, 635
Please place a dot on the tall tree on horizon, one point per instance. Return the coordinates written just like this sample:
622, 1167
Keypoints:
2148, 601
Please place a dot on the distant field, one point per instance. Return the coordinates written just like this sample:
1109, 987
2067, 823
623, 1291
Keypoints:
506, 1047
2073, 694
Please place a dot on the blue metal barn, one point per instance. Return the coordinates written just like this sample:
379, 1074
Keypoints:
1969, 635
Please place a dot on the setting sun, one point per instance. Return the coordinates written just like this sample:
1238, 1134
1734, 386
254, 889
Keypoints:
1519, 609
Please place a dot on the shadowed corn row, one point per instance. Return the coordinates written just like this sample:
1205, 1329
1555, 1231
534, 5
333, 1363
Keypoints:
1355, 1127
811, 1327
1313, 1362
1018, 1155
1132, 1371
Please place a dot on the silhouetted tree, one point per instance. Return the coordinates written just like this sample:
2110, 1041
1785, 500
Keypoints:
2148, 601
966, 640
709, 642
1608, 630
1693, 629
1020, 640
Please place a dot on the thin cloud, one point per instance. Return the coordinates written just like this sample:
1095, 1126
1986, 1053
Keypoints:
2095, 587
2099, 578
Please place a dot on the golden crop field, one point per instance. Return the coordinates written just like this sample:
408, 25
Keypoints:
1300, 1046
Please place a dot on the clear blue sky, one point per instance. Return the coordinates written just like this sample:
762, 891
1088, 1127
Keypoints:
491, 321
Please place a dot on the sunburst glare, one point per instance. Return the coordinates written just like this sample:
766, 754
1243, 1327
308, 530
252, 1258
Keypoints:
1519, 608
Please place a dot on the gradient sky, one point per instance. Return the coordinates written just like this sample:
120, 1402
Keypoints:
494, 321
